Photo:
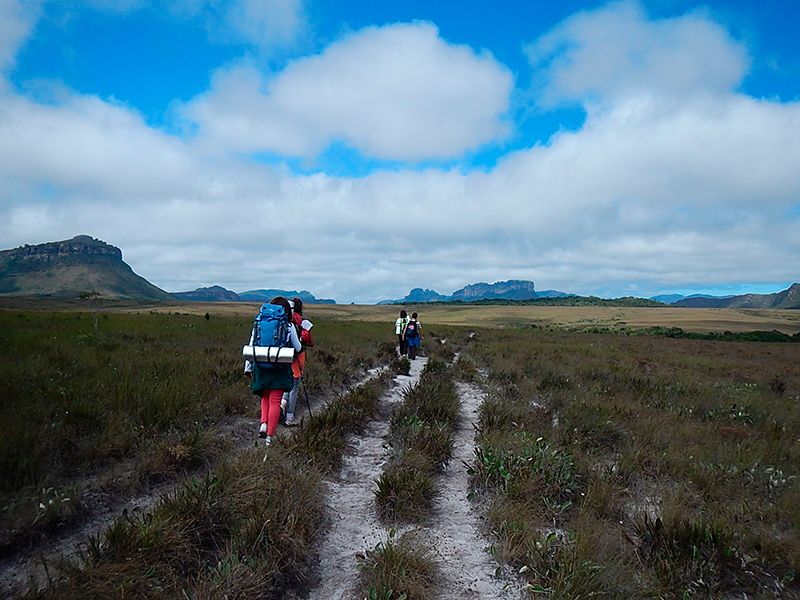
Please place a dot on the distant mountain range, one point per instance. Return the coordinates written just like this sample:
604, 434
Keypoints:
513, 289
673, 298
217, 293
68, 269
788, 298
84, 265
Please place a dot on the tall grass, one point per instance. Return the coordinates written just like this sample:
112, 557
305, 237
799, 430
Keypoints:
634, 466
247, 529
148, 390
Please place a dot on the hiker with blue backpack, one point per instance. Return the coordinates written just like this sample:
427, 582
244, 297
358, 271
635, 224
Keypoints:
268, 360
412, 334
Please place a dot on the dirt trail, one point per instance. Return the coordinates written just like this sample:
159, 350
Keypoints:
354, 526
466, 568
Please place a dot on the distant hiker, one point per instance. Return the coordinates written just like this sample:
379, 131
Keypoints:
412, 334
272, 332
303, 326
399, 328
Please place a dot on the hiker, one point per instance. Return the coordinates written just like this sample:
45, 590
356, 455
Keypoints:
271, 380
399, 328
303, 326
412, 334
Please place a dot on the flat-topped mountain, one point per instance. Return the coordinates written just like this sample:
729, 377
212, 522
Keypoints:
513, 289
70, 268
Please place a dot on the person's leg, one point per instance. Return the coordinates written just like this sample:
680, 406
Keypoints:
412, 351
292, 402
274, 410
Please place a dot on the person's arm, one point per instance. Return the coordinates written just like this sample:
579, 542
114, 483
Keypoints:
294, 340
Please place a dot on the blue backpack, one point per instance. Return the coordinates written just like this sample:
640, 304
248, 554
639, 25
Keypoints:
271, 328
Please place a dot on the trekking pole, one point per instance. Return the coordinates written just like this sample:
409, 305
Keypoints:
305, 393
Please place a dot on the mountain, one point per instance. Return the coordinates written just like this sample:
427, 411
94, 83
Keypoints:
513, 289
266, 295
70, 268
214, 293
788, 298
674, 298
508, 290
420, 295
667, 298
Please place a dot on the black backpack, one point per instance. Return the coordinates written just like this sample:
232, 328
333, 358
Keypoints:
411, 329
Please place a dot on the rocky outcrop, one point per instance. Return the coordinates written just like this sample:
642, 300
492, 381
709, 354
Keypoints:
80, 245
513, 289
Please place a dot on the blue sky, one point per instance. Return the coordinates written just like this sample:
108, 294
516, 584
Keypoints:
608, 148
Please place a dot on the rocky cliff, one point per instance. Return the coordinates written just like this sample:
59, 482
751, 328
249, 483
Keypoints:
69, 268
513, 289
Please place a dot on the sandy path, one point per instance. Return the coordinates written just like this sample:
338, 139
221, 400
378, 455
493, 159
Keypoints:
354, 526
466, 568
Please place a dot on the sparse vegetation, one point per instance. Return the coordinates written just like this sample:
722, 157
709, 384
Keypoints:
422, 437
611, 465
398, 569
641, 467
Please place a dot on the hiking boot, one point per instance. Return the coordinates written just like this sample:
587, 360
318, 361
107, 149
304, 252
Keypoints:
290, 422
268, 441
262, 432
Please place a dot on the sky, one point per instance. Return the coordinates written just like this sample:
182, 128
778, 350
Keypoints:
359, 149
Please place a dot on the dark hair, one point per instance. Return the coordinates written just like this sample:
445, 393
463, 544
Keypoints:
281, 301
414, 316
403, 314
298, 306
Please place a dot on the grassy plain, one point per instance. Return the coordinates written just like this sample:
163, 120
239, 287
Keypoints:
700, 320
640, 467
658, 468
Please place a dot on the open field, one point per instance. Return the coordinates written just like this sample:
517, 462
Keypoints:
690, 319
612, 466
699, 320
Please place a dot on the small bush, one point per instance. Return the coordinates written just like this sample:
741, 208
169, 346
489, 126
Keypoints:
398, 569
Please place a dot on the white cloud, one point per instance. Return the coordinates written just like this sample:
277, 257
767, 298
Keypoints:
267, 23
91, 146
17, 19
396, 92
617, 51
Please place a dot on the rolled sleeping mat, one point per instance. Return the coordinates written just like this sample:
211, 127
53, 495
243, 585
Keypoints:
269, 354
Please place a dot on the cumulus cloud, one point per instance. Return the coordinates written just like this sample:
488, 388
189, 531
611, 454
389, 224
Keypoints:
396, 92
617, 51
91, 145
